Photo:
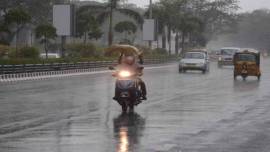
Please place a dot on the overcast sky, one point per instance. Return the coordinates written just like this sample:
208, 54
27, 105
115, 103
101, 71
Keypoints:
246, 5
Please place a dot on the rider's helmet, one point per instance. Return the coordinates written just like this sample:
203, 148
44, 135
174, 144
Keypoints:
130, 60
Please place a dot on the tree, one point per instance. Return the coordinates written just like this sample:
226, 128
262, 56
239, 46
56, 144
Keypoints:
45, 32
218, 16
160, 15
40, 10
127, 28
4, 33
95, 33
187, 25
6, 5
87, 26
104, 12
197, 20
17, 17
252, 31
166, 9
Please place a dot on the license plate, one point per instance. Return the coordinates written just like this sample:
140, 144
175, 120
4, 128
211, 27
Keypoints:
191, 65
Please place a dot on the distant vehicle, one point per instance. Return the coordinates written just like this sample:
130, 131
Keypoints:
214, 55
194, 60
226, 56
201, 50
50, 56
247, 63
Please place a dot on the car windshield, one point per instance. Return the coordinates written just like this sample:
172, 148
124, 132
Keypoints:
228, 52
246, 57
194, 56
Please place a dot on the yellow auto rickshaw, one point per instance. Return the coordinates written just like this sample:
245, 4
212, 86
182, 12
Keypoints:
247, 63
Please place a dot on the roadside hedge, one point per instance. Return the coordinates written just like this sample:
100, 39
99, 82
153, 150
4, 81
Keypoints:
4, 50
24, 53
81, 50
76, 52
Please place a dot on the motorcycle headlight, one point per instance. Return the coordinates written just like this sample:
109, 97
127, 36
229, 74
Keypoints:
124, 74
220, 58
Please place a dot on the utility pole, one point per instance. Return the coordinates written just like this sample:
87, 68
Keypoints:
150, 17
151, 10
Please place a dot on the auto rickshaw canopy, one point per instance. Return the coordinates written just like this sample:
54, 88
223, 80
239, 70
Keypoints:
248, 51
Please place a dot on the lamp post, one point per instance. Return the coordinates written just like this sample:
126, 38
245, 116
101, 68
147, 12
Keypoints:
151, 9
150, 17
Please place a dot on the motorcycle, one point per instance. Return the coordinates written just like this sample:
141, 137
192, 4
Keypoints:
128, 92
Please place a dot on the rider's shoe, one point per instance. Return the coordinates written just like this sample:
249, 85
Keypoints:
115, 98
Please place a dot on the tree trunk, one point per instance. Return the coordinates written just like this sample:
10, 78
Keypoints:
164, 38
125, 35
158, 41
183, 43
63, 42
85, 37
169, 39
177, 43
16, 42
110, 35
45, 47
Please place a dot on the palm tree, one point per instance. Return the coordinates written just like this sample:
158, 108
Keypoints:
102, 12
87, 26
127, 28
160, 15
187, 25
169, 8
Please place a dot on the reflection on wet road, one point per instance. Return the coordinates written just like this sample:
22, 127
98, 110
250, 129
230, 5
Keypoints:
188, 112
128, 129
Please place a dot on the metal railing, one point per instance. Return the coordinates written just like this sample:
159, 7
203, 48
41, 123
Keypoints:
30, 68
39, 71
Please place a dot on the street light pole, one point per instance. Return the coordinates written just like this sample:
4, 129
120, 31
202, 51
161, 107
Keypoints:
150, 17
151, 9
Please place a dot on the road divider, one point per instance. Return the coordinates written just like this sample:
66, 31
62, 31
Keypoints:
43, 75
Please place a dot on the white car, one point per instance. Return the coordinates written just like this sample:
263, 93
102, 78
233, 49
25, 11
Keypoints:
194, 61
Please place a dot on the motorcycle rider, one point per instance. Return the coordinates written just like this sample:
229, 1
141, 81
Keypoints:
129, 63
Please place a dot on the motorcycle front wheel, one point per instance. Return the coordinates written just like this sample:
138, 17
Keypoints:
124, 108
131, 108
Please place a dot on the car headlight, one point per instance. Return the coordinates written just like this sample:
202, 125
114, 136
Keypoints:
182, 63
124, 74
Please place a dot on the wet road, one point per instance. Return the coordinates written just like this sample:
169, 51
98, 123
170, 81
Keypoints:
188, 112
